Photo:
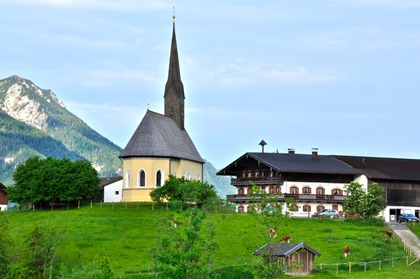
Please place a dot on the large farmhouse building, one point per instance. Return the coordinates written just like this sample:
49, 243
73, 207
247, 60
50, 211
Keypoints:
316, 182
161, 146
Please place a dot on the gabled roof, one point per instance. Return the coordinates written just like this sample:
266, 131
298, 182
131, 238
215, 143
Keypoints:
283, 249
384, 168
298, 163
2, 186
109, 180
159, 136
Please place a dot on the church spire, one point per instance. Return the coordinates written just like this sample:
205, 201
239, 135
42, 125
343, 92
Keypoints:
174, 89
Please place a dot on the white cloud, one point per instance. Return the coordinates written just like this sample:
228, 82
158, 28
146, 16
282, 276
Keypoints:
121, 5
247, 72
100, 44
392, 4
100, 78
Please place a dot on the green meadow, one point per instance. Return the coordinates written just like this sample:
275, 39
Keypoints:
127, 233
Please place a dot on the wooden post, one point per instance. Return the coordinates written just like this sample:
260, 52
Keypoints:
320, 266
337, 269
392, 261
365, 267
406, 260
380, 262
349, 267
153, 206
90, 203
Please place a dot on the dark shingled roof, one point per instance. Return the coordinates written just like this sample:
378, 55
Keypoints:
159, 136
284, 249
384, 168
299, 163
108, 180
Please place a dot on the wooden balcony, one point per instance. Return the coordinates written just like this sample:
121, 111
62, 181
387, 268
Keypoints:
339, 199
260, 181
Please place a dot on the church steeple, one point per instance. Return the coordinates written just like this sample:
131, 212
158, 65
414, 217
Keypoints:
174, 89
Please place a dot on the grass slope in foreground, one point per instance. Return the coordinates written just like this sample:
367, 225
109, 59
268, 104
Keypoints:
127, 233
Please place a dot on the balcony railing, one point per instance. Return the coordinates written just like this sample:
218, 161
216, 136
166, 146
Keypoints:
297, 197
260, 181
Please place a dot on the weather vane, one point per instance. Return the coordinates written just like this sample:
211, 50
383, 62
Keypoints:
173, 16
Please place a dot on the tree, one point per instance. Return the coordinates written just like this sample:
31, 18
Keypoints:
50, 180
268, 213
186, 250
184, 192
42, 251
366, 204
4, 241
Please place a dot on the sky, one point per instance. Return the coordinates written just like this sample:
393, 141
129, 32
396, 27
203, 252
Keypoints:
338, 75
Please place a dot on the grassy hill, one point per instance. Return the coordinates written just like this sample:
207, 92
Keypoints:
126, 233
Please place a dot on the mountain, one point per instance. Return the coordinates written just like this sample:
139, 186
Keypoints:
221, 183
34, 122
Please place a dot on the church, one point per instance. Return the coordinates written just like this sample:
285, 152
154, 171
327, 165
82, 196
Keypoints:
161, 146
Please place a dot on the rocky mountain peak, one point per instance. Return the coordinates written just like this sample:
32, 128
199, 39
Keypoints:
22, 100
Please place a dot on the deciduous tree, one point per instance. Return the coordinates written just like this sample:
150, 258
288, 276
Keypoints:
185, 251
50, 181
366, 204
184, 192
268, 213
4, 241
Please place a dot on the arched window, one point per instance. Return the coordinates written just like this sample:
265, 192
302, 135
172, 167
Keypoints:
271, 190
248, 208
240, 191
241, 209
198, 177
319, 208
127, 179
337, 192
159, 178
306, 208
248, 190
142, 178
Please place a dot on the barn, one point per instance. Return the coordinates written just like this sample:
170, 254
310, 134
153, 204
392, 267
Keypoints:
297, 258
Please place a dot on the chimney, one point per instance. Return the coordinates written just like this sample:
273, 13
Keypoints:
315, 154
291, 150
262, 143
